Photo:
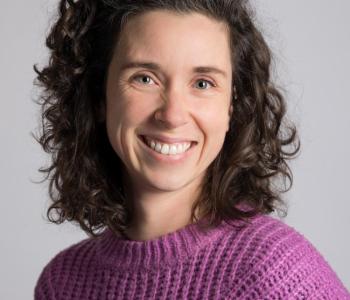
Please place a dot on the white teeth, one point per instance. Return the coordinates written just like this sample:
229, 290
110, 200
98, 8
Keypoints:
168, 149
158, 147
165, 149
187, 146
173, 149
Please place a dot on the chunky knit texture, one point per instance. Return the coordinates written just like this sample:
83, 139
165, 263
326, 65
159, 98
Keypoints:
266, 259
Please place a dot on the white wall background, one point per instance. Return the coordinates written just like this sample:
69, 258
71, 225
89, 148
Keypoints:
311, 42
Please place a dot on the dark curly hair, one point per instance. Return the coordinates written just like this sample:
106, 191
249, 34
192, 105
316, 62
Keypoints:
86, 182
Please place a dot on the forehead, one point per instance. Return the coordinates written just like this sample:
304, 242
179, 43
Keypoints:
191, 38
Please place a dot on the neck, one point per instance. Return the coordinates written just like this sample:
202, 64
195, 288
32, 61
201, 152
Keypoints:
157, 213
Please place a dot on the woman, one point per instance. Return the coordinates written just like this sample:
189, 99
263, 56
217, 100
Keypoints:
166, 136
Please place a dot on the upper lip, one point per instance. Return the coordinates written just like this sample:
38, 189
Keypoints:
167, 139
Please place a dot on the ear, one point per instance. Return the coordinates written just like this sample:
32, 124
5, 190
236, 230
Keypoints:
230, 110
101, 113
230, 115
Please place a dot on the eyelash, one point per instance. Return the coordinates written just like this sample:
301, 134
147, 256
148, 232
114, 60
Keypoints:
201, 79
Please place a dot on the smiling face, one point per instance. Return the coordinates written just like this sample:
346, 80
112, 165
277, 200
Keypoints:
161, 94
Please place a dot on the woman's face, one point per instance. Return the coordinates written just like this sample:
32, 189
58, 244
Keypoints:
162, 93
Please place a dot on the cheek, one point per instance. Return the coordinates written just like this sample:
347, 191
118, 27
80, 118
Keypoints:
123, 115
214, 119
127, 111
214, 125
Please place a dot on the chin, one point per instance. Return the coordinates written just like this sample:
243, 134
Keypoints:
167, 186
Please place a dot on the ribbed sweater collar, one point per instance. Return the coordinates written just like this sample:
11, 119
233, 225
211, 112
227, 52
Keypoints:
120, 253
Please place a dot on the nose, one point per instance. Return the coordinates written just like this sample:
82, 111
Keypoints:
173, 112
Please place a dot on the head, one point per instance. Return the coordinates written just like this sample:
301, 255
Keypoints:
178, 97
101, 111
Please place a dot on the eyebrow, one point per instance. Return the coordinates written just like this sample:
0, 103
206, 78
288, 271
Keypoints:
156, 67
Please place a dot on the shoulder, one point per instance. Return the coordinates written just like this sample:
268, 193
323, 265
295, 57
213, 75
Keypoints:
62, 266
74, 254
273, 260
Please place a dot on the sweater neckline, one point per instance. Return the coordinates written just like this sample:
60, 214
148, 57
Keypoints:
119, 252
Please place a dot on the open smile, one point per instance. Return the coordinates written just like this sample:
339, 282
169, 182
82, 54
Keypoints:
167, 152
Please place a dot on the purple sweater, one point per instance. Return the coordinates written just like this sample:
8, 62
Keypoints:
264, 260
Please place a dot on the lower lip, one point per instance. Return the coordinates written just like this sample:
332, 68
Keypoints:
177, 158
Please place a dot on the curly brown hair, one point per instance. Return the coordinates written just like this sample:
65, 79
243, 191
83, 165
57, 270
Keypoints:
86, 188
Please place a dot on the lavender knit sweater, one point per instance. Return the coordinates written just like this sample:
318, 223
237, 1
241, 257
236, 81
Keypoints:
264, 260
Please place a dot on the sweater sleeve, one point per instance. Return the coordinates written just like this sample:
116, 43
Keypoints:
44, 289
287, 266
305, 274
57, 274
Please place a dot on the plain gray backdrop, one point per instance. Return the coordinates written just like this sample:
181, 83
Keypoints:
311, 43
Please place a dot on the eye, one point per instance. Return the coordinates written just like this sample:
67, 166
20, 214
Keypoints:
145, 79
205, 83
